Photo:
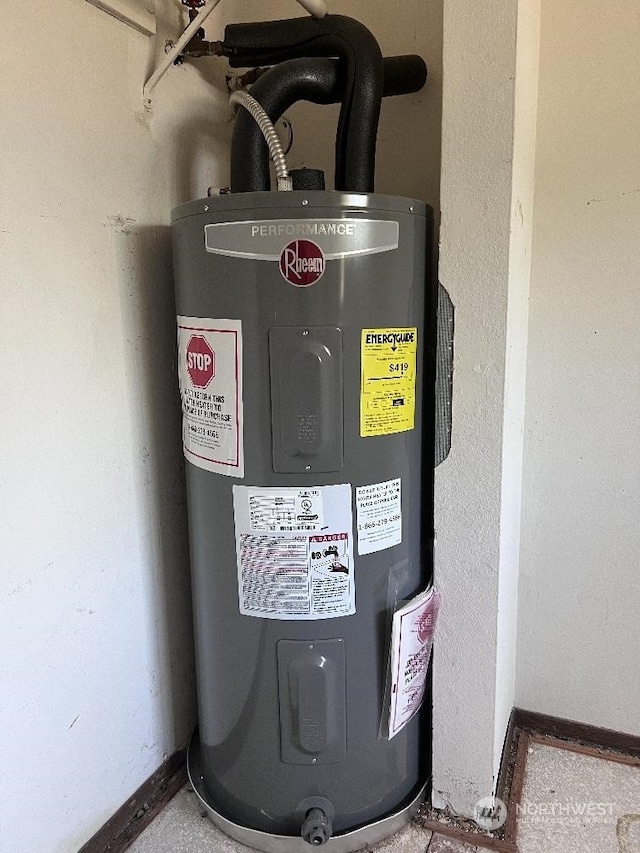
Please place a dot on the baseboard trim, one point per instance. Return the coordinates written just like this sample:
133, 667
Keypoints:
521, 742
524, 726
545, 724
472, 839
586, 749
141, 808
506, 760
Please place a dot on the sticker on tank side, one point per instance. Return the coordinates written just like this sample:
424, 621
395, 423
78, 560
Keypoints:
388, 381
294, 550
379, 516
412, 633
210, 379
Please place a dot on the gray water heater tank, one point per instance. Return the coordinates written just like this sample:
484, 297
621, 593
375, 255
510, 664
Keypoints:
301, 354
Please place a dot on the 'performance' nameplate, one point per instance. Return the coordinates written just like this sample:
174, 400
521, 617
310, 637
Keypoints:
264, 239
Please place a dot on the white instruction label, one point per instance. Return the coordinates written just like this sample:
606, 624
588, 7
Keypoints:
411, 641
379, 516
210, 378
293, 510
294, 550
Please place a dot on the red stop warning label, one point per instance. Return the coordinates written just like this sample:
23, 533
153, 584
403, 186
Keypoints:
201, 361
302, 263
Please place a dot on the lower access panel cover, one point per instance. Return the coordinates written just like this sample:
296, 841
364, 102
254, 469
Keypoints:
311, 686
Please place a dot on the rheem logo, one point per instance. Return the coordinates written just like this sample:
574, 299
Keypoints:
201, 361
302, 263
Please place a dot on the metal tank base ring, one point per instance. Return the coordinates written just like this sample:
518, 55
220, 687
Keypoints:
346, 842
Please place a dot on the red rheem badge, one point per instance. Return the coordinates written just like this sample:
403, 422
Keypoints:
302, 263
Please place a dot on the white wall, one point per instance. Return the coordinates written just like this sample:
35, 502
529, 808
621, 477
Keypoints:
578, 637
521, 232
489, 97
95, 636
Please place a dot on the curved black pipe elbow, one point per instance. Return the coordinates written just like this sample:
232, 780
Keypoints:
314, 80
272, 42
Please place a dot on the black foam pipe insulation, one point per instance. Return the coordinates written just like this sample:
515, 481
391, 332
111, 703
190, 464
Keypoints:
361, 66
316, 80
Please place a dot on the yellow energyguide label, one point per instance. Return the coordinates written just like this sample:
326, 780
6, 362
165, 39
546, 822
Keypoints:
388, 381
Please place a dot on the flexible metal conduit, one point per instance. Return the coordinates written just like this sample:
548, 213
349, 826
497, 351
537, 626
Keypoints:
254, 108
316, 80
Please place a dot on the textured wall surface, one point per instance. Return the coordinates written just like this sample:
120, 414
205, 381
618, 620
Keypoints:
522, 197
487, 173
95, 634
578, 638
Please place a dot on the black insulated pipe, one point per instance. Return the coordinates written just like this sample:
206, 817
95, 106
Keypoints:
272, 42
403, 75
316, 80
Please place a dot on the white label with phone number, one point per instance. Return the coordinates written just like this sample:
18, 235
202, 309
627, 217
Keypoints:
379, 516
